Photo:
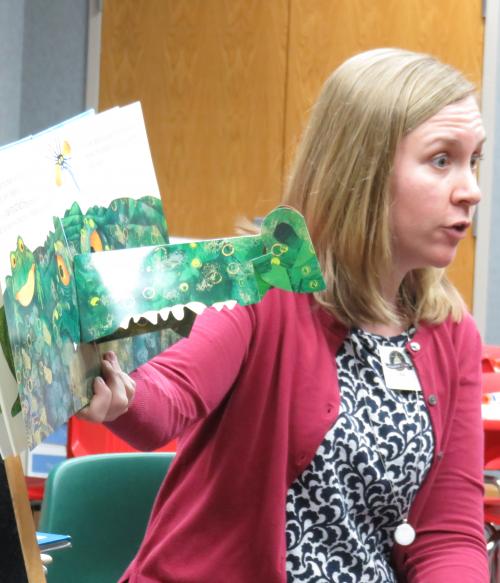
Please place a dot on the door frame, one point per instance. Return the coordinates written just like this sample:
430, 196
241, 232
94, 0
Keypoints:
490, 106
93, 54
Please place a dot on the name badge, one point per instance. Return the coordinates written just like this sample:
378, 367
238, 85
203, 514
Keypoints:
398, 370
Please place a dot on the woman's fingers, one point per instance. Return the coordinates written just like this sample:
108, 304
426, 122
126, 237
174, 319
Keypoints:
128, 383
99, 405
110, 357
129, 387
117, 384
113, 392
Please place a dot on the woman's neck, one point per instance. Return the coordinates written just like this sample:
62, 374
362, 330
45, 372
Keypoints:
390, 291
393, 329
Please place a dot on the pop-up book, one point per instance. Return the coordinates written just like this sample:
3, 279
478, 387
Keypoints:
82, 186
86, 266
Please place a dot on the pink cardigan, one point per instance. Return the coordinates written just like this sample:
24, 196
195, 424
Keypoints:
252, 393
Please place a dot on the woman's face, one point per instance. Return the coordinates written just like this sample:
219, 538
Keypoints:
434, 187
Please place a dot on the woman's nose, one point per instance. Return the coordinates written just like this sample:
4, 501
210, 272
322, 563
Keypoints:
467, 188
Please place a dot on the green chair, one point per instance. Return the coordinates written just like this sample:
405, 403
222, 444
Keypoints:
103, 502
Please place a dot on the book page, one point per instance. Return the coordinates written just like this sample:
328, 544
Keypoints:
85, 185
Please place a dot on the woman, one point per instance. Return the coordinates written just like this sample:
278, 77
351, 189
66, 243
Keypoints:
319, 435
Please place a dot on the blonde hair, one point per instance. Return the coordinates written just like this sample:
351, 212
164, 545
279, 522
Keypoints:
341, 176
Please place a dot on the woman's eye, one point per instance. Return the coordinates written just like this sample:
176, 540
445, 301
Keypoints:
474, 161
440, 161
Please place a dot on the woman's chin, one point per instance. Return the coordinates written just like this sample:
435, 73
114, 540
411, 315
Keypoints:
438, 261
443, 261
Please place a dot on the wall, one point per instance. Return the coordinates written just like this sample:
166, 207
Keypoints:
491, 329
11, 57
43, 48
487, 274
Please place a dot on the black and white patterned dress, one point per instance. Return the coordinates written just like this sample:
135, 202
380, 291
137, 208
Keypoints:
342, 511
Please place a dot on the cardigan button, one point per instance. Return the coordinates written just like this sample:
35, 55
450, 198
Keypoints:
415, 346
432, 400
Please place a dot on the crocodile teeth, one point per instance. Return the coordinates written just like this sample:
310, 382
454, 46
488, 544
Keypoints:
124, 324
178, 311
196, 307
229, 304
151, 316
164, 314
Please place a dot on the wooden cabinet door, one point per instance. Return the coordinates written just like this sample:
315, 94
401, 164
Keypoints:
211, 78
323, 33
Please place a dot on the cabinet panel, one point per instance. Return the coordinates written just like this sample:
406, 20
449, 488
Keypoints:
211, 78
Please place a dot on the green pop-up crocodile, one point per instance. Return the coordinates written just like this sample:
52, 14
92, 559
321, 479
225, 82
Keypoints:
138, 286
90, 282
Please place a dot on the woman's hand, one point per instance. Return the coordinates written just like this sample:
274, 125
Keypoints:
113, 392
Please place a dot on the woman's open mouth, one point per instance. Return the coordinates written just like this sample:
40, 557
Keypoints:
458, 230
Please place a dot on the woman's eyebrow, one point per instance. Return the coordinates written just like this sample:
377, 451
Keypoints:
449, 141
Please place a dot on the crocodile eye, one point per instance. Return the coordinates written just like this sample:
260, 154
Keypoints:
95, 242
13, 260
62, 270
20, 245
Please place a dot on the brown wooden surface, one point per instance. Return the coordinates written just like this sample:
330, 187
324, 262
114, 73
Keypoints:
211, 78
24, 519
226, 86
323, 33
